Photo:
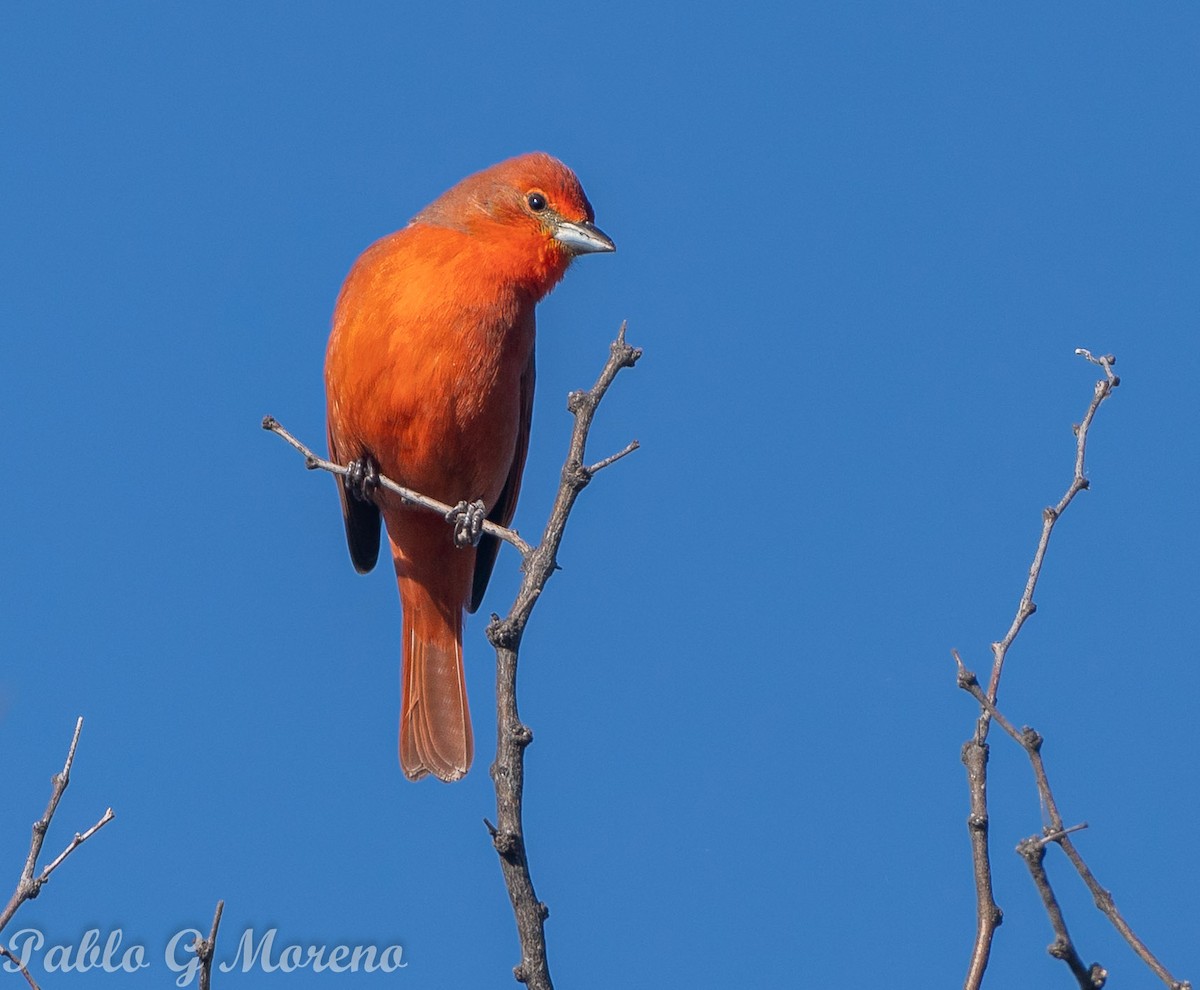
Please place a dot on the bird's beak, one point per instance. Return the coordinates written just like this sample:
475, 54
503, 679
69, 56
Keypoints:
583, 237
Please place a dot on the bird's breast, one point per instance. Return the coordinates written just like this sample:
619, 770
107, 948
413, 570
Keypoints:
426, 361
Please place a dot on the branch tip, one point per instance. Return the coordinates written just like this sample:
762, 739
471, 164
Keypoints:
1056, 835
625, 451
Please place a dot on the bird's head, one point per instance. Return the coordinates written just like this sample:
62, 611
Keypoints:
531, 209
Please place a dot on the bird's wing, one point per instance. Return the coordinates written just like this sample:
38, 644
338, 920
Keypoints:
506, 504
361, 518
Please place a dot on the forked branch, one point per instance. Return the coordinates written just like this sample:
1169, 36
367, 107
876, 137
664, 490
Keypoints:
513, 736
1057, 832
975, 754
32, 880
508, 772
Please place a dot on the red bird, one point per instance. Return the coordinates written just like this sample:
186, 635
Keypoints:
429, 381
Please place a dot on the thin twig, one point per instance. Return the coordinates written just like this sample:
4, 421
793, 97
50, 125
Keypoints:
74, 844
988, 915
1060, 834
513, 736
629, 448
1051, 515
1052, 836
1033, 851
1107, 906
20, 964
313, 462
29, 885
205, 948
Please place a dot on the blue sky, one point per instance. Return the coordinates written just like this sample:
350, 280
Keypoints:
859, 244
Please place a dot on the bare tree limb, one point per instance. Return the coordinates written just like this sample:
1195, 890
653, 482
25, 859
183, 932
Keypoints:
205, 947
29, 885
508, 772
629, 448
975, 754
988, 915
1033, 851
1051, 515
313, 462
20, 964
1055, 831
540, 562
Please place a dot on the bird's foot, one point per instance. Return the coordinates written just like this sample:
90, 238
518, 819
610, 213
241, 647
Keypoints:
363, 479
467, 518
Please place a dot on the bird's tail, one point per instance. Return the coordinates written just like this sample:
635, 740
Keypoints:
435, 723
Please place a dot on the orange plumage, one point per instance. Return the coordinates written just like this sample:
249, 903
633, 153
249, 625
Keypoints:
429, 377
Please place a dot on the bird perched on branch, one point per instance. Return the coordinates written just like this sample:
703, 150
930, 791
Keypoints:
429, 381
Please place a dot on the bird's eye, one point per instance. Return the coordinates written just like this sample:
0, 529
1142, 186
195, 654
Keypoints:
536, 201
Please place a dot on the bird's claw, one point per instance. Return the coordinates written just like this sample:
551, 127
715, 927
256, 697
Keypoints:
363, 478
467, 518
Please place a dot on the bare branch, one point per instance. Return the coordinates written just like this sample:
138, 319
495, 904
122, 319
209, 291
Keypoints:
540, 562
629, 448
21, 966
313, 462
1104, 901
988, 915
1051, 515
1033, 851
1052, 836
29, 885
204, 948
1058, 833
74, 844
513, 736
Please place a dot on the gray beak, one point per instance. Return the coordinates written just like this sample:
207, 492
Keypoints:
583, 237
